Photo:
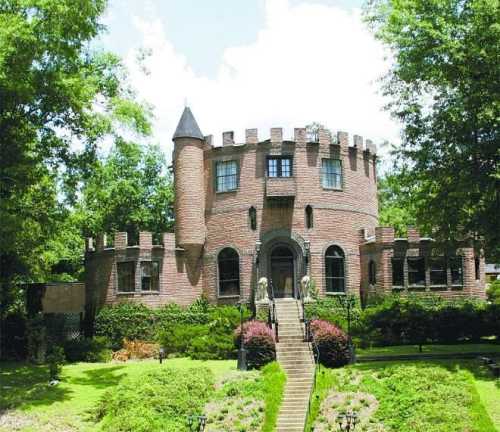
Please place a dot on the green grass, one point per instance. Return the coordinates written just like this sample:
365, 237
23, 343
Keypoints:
24, 388
274, 387
428, 349
417, 396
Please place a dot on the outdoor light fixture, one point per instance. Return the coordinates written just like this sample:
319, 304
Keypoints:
161, 354
242, 352
258, 244
197, 423
348, 421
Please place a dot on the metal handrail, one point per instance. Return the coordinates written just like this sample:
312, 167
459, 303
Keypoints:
274, 315
317, 365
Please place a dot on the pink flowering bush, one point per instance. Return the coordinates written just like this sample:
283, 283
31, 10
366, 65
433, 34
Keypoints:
259, 342
332, 342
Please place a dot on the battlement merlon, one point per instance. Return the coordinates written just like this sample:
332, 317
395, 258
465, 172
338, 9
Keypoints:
120, 242
324, 138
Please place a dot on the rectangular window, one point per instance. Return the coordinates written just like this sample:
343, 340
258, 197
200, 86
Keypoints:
150, 276
416, 271
226, 173
456, 271
279, 166
398, 278
126, 276
437, 270
331, 173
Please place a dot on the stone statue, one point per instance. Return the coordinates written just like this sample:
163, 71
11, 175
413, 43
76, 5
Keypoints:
261, 295
307, 288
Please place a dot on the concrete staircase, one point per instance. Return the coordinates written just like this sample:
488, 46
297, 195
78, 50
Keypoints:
297, 361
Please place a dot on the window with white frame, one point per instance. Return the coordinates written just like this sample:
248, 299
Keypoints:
279, 166
416, 271
331, 173
437, 271
226, 176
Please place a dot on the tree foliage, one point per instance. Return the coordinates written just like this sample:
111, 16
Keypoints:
129, 190
60, 99
444, 89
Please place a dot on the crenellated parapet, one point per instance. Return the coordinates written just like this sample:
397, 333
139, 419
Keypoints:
323, 137
121, 240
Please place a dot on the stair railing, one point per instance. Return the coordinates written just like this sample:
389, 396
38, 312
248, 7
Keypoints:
308, 337
274, 315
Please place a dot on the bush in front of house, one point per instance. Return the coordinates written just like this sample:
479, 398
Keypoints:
332, 343
92, 350
156, 401
55, 359
258, 341
125, 321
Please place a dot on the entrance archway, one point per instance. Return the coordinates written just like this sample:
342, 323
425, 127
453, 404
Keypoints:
283, 271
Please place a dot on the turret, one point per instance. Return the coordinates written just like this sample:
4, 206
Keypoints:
190, 231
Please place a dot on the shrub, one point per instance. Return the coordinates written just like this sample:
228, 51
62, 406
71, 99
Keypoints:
177, 338
55, 359
156, 401
91, 350
493, 292
330, 309
259, 343
332, 343
126, 320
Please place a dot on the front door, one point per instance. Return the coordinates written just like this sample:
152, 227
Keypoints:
282, 272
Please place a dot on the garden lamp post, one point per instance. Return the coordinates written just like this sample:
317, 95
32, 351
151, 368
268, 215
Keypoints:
347, 422
348, 302
242, 353
197, 423
161, 354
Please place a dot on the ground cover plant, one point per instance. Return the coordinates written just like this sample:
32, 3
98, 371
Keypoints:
247, 401
439, 396
29, 404
27, 401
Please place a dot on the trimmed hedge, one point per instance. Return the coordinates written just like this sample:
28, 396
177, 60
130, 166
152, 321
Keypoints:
332, 343
259, 343
413, 319
200, 330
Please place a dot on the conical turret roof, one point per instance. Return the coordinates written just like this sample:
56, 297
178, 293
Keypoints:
187, 127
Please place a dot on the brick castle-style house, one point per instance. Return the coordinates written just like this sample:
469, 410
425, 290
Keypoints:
279, 209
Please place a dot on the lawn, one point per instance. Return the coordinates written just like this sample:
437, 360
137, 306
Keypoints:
429, 349
412, 396
36, 407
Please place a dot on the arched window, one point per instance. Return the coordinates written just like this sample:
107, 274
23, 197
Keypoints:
309, 216
252, 216
334, 270
229, 272
372, 273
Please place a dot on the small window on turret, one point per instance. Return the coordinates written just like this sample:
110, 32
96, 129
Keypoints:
252, 216
331, 174
309, 217
226, 176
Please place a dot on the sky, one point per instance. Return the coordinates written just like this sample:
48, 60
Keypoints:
253, 63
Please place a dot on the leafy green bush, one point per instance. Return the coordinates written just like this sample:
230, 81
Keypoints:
493, 292
55, 360
156, 401
414, 320
330, 309
126, 320
91, 350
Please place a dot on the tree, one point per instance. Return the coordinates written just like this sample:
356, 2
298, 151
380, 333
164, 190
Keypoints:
397, 202
443, 87
130, 190
58, 100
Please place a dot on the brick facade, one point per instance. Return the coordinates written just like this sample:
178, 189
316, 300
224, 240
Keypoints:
208, 221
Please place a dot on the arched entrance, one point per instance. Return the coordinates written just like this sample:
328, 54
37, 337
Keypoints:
283, 271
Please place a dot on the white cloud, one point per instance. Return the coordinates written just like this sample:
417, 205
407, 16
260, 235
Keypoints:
309, 63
